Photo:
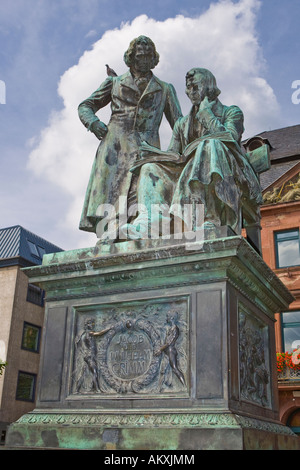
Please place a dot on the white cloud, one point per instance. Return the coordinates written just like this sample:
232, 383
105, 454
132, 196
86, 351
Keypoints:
223, 39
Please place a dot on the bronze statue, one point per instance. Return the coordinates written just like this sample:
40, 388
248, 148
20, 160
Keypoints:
138, 102
205, 162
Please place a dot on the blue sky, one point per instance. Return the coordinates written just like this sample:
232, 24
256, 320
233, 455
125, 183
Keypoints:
53, 54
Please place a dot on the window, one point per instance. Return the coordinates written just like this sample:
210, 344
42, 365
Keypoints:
35, 295
294, 421
290, 330
33, 249
41, 251
31, 337
26, 386
36, 250
287, 245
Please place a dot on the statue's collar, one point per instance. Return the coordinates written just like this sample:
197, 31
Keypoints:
128, 80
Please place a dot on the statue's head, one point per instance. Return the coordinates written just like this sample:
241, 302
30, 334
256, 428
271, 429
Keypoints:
200, 83
172, 316
89, 324
141, 54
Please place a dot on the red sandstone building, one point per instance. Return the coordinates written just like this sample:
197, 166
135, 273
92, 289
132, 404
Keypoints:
280, 238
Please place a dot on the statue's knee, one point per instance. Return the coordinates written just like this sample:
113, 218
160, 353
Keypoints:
213, 143
146, 169
151, 171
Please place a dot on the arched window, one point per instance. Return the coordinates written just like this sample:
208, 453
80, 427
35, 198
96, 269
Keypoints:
294, 421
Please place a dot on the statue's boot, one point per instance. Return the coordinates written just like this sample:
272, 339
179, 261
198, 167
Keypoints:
139, 230
144, 227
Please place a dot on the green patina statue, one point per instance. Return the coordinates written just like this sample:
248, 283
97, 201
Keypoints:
205, 163
138, 102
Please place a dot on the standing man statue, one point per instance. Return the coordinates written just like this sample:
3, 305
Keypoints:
205, 162
138, 102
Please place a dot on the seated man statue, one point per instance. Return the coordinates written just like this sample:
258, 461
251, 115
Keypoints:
205, 162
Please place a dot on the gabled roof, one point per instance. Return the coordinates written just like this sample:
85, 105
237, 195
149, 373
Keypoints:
285, 188
22, 247
285, 142
276, 171
284, 153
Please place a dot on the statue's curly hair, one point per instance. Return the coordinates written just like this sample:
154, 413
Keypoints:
212, 90
129, 54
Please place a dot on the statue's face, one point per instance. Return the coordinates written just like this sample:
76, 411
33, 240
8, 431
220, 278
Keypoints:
195, 89
90, 324
170, 317
143, 58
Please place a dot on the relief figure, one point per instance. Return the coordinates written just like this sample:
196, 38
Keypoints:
86, 347
254, 376
170, 351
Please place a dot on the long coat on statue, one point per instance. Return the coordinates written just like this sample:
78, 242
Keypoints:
135, 116
215, 173
220, 164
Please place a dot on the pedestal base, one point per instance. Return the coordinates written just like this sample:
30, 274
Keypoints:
161, 431
158, 347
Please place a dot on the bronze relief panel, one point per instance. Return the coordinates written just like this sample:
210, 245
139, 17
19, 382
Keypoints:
136, 348
255, 377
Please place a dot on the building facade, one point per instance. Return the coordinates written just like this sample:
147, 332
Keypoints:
280, 239
21, 321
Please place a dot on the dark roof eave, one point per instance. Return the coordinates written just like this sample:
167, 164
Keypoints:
281, 159
16, 261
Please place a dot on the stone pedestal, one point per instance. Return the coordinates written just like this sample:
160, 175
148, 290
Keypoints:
158, 347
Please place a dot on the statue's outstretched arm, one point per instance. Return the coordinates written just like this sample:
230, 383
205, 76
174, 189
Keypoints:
88, 108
